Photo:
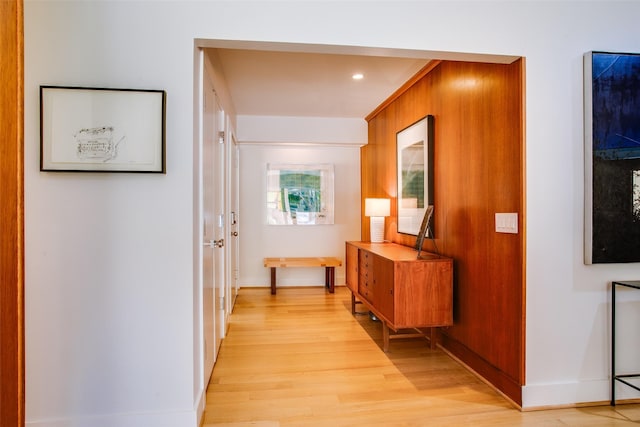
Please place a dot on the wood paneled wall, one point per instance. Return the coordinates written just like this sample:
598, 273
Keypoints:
11, 215
479, 170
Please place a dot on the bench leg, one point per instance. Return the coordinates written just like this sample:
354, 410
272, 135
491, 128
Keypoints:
273, 280
329, 279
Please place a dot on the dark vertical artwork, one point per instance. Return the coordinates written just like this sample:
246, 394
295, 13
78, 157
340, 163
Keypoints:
615, 157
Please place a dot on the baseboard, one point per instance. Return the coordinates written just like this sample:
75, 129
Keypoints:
292, 277
200, 404
290, 286
582, 393
155, 419
504, 384
481, 378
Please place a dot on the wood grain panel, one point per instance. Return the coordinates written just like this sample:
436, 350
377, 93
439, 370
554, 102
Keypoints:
383, 278
351, 267
425, 284
11, 215
479, 162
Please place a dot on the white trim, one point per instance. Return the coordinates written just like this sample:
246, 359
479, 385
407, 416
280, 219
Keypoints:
155, 419
587, 392
354, 50
301, 144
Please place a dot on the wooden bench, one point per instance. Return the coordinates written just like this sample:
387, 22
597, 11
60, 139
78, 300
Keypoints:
328, 262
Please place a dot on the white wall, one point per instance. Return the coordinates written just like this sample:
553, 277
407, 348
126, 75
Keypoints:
109, 286
298, 140
259, 240
109, 273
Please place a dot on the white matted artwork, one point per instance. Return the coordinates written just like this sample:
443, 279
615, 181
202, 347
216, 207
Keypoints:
414, 146
102, 130
300, 194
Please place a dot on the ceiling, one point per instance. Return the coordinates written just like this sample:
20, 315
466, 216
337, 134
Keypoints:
311, 84
311, 80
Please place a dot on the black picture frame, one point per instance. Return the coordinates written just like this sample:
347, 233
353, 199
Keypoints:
415, 177
85, 129
612, 157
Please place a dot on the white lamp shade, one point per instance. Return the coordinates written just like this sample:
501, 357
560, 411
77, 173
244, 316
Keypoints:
377, 207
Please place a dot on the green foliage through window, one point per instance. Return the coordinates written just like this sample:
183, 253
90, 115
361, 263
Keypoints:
300, 194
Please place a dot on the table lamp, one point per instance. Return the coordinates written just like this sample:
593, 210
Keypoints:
376, 210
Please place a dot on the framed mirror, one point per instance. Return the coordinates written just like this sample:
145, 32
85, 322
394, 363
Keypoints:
414, 146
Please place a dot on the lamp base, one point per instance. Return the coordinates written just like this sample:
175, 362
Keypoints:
376, 228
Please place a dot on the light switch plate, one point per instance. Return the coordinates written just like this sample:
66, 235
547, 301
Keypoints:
507, 223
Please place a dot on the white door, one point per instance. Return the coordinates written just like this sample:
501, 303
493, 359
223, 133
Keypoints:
231, 202
234, 240
208, 168
228, 220
220, 228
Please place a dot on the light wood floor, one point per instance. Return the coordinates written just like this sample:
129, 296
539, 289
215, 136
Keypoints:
300, 358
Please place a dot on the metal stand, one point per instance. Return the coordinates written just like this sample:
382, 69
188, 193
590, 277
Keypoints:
635, 284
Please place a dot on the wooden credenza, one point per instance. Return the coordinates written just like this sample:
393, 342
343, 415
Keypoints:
404, 292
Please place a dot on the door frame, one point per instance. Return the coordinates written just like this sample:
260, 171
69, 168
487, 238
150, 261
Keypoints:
12, 386
207, 252
205, 68
234, 218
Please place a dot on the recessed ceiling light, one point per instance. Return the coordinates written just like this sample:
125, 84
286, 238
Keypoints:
357, 76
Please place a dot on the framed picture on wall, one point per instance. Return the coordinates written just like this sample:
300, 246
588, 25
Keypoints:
612, 157
102, 130
414, 152
299, 194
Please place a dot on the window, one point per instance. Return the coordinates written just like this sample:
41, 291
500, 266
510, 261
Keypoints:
299, 194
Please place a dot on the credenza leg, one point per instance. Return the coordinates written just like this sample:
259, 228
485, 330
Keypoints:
273, 280
432, 338
385, 336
